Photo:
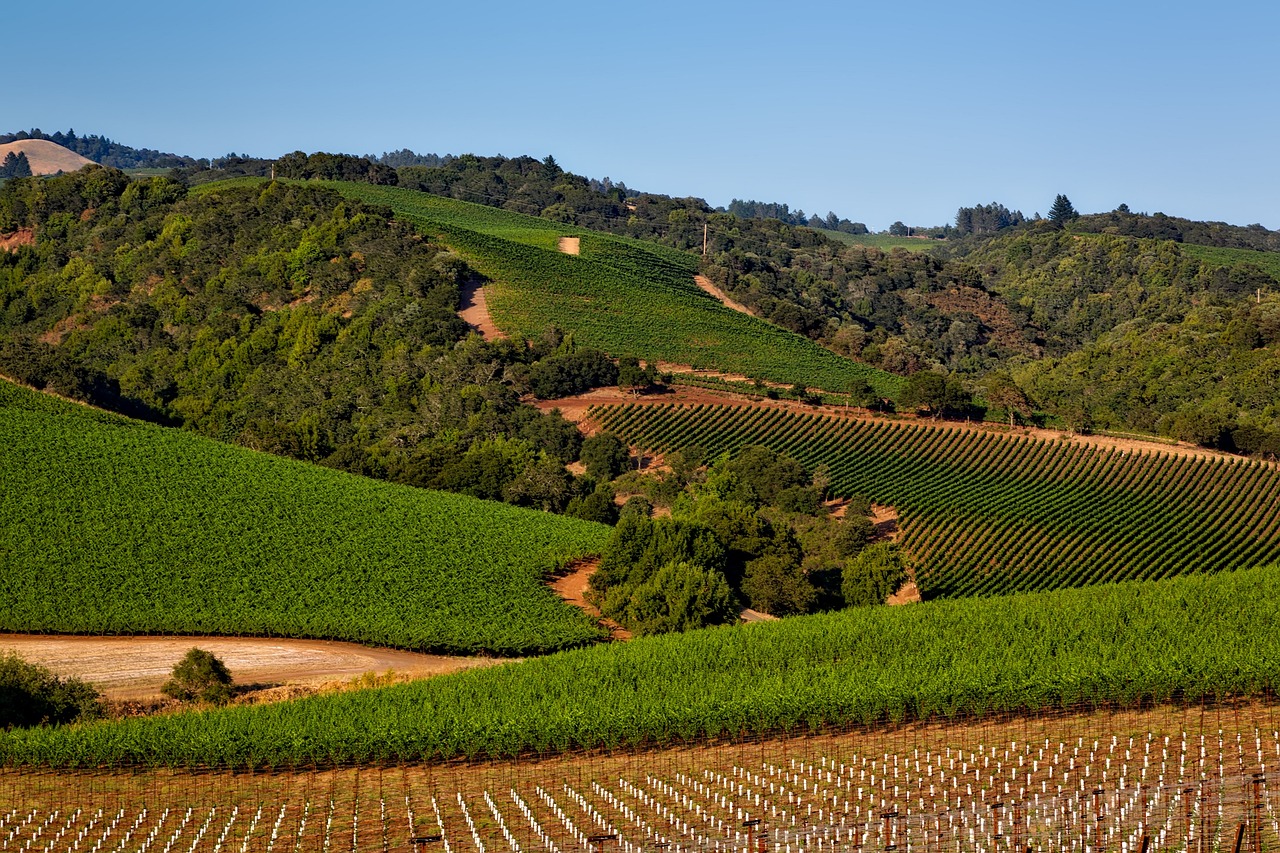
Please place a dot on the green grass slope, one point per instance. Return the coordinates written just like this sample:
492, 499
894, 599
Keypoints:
114, 526
1196, 638
624, 296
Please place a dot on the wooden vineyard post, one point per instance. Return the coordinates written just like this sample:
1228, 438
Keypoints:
1186, 804
597, 842
418, 840
890, 835
1239, 838
759, 836
1255, 815
1097, 819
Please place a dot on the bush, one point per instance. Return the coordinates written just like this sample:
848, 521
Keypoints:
605, 456
855, 533
31, 695
873, 575
199, 676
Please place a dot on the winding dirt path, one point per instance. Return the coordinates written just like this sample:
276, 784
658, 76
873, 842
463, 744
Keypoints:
474, 310
128, 668
708, 286
572, 587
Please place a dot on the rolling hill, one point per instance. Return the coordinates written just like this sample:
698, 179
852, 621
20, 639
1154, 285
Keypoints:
113, 526
46, 158
624, 296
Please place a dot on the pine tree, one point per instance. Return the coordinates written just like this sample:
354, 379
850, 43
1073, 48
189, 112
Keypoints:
1062, 211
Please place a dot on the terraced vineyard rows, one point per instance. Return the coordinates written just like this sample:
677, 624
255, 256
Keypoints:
984, 514
1165, 779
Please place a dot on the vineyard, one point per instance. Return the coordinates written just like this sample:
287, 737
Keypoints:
115, 526
610, 295
982, 513
1160, 779
1196, 638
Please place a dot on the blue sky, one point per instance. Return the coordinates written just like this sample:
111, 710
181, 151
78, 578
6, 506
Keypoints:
879, 111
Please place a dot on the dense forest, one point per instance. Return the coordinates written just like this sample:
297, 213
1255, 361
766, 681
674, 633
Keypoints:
286, 319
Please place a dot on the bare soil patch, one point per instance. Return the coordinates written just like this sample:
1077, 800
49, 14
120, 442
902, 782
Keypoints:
571, 586
570, 245
21, 237
134, 668
885, 519
474, 310
749, 615
708, 286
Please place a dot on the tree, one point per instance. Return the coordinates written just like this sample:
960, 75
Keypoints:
934, 394
872, 576
679, 597
854, 534
861, 393
598, 506
634, 377
199, 676
15, 166
898, 229
776, 585
1003, 392
1062, 211
605, 456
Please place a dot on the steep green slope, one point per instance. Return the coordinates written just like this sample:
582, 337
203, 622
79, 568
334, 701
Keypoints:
115, 526
624, 296
1192, 639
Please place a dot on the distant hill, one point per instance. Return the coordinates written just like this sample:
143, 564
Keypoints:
106, 151
46, 158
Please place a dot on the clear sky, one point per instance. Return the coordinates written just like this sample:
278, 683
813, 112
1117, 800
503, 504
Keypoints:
878, 111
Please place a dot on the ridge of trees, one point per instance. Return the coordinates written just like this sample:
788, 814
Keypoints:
105, 151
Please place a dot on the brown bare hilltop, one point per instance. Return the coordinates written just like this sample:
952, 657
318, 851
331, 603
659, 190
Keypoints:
46, 158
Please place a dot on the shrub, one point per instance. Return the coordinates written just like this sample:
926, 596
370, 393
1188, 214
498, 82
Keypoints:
199, 676
31, 695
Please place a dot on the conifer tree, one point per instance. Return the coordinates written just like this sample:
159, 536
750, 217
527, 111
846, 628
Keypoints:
1062, 211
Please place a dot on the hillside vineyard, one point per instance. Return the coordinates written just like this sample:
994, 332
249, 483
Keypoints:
982, 513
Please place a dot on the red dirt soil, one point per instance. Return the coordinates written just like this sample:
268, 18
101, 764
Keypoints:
708, 286
130, 668
572, 587
474, 311
21, 237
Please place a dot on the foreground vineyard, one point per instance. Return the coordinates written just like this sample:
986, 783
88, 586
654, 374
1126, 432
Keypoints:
983, 513
626, 297
1160, 779
1193, 638
115, 526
